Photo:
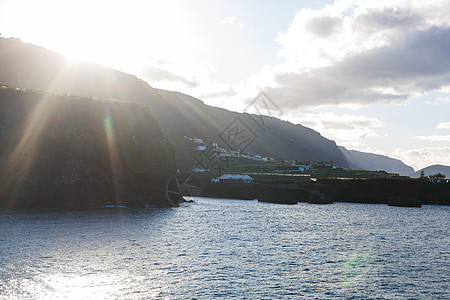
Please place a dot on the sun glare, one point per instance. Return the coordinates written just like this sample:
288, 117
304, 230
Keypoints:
121, 35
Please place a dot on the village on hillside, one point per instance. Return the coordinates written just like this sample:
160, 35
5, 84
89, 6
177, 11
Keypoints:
222, 165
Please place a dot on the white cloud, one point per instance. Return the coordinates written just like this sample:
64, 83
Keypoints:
350, 53
361, 52
445, 125
424, 157
433, 138
347, 130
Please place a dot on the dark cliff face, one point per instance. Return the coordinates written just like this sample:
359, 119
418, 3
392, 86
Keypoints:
70, 151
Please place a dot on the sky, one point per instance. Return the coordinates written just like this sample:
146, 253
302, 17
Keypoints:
373, 76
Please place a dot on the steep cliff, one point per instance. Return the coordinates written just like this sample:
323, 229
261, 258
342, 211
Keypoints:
71, 151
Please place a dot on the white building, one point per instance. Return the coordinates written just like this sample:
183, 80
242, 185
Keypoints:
233, 178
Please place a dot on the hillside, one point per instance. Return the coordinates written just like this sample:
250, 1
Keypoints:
374, 162
271, 137
31, 67
434, 169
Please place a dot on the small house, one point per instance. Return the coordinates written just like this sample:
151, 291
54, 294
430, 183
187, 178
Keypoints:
233, 178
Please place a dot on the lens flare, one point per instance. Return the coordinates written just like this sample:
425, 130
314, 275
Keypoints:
114, 158
355, 267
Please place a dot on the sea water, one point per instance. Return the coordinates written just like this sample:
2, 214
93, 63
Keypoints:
218, 248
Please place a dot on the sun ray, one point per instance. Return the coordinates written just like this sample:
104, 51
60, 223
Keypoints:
21, 158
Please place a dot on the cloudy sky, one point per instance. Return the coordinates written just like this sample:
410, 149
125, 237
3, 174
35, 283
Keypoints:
371, 75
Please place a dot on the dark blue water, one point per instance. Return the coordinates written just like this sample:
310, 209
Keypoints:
227, 249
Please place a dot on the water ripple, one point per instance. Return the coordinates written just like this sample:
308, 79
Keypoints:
217, 248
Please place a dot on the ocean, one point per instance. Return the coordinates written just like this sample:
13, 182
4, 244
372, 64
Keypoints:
227, 249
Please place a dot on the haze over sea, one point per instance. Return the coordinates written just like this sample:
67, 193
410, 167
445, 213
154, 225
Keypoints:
218, 248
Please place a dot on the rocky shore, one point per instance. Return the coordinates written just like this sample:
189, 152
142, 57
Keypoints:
394, 192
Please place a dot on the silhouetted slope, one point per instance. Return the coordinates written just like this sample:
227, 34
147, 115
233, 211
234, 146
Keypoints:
28, 66
32, 67
434, 169
72, 151
374, 162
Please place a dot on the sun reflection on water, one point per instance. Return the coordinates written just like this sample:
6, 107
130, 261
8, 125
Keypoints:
66, 286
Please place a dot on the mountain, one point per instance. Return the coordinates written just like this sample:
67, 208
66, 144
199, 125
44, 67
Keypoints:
31, 67
374, 162
434, 169
266, 136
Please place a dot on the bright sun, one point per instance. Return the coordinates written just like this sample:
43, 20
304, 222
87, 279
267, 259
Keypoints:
117, 34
